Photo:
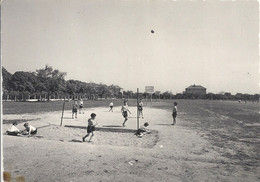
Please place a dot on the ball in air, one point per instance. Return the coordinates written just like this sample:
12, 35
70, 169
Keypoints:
152, 31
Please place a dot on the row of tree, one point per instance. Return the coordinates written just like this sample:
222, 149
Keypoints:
49, 81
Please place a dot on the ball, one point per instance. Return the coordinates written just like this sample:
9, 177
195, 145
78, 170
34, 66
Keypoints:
152, 31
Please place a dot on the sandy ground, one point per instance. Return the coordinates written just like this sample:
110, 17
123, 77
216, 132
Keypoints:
169, 153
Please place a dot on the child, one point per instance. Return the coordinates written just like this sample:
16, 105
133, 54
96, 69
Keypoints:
91, 127
111, 106
174, 113
142, 130
124, 111
74, 110
140, 108
13, 130
81, 106
29, 129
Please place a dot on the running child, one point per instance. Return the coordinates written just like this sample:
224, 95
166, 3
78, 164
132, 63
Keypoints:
91, 127
124, 111
174, 113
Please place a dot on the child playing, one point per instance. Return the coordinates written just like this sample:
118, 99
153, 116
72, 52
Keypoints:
13, 130
140, 108
174, 113
29, 129
91, 127
111, 105
124, 111
74, 110
142, 130
81, 106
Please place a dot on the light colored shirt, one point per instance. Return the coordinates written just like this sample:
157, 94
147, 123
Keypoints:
111, 104
124, 108
175, 109
13, 129
30, 129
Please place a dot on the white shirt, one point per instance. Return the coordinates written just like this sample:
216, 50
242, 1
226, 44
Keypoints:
13, 129
111, 104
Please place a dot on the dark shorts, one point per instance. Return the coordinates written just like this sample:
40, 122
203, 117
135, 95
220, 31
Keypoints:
174, 114
34, 132
91, 129
125, 114
14, 133
140, 108
80, 106
74, 110
111, 107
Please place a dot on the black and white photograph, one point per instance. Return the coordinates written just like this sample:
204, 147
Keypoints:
130, 91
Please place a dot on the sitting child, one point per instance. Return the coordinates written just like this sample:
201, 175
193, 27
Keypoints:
29, 129
142, 130
13, 130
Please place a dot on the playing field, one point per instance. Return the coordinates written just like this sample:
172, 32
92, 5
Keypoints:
212, 141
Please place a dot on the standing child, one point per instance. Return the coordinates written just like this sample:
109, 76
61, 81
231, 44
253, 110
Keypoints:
140, 108
91, 127
124, 111
74, 110
174, 113
81, 106
111, 105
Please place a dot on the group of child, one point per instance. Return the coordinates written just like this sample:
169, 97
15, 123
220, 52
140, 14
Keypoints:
77, 105
29, 130
92, 123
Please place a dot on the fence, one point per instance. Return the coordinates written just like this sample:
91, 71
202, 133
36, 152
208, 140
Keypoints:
45, 97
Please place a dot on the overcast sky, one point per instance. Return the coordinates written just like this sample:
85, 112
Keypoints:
213, 44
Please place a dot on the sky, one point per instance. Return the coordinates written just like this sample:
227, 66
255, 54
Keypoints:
208, 43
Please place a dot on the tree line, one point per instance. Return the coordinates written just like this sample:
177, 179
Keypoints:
49, 82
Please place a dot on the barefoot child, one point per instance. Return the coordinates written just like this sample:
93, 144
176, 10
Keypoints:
174, 113
124, 111
91, 127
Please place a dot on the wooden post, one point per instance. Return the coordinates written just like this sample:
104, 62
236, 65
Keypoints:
137, 109
62, 111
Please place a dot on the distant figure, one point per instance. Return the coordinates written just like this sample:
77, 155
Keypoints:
111, 105
81, 106
124, 111
13, 130
140, 108
74, 110
142, 130
29, 129
174, 113
91, 127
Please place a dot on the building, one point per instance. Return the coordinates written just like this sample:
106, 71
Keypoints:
195, 90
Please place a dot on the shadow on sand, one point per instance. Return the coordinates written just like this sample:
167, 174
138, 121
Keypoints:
164, 124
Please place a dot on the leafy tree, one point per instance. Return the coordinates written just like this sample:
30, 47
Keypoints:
23, 81
6, 79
